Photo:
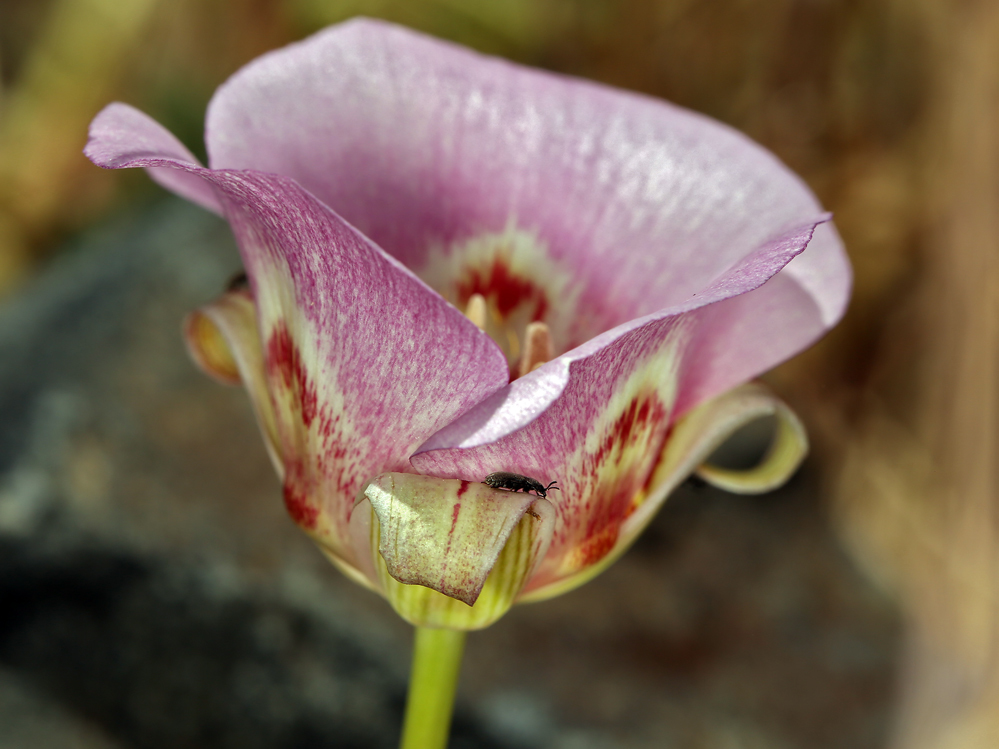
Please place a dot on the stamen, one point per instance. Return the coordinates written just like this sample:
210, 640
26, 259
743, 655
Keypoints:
537, 348
476, 310
513, 343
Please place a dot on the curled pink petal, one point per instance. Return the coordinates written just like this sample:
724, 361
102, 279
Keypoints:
719, 339
363, 361
122, 136
422, 144
596, 418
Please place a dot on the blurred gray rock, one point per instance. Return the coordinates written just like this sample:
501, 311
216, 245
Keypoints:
30, 719
154, 594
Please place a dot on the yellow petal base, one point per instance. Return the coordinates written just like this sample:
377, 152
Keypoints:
430, 537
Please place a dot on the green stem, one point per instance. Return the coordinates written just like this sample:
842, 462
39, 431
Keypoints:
432, 685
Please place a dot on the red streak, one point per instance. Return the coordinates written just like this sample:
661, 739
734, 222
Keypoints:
640, 422
637, 418
284, 361
597, 547
299, 507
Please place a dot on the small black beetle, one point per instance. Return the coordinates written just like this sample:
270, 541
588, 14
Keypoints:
515, 482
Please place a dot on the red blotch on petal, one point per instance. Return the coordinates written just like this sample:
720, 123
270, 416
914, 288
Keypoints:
641, 417
618, 470
302, 511
284, 362
596, 547
504, 288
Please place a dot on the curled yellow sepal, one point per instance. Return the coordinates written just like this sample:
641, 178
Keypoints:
451, 553
223, 340
787, 449
207, 344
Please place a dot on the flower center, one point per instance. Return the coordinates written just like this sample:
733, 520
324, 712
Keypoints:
511, 288
535, 349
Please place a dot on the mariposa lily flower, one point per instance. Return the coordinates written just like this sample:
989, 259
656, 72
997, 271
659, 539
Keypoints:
458, 266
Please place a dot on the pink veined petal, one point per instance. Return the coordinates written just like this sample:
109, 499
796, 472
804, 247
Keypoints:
717, 367
121, 135
596, 418
363, 361
422, 144
691, 441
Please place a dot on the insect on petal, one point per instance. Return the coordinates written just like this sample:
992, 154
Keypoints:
451, 552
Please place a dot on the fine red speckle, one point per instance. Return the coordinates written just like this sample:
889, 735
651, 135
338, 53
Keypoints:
284, 362
506, 289
325, 466
647, 486
597, 547
641, 415
301, 510
613, 489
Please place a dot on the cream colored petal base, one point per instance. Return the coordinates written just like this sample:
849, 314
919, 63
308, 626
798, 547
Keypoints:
453, 553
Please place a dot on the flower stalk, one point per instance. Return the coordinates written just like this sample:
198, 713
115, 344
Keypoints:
433, 682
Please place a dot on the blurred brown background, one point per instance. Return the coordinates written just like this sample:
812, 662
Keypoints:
888, 108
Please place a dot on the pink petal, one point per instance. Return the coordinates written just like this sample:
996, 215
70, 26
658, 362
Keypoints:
364, 362
715, 357
596, 418
420, 143
692, 440
122, 136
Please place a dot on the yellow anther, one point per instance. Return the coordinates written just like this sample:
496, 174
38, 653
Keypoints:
477, 311
513, 343
537, 348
